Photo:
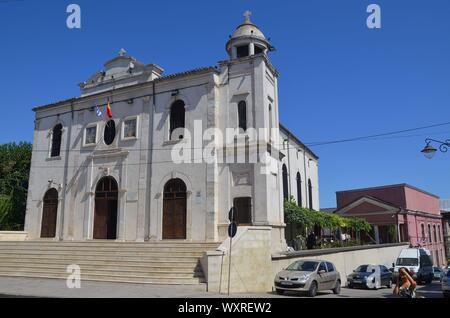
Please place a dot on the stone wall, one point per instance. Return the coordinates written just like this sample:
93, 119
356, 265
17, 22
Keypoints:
253, 267
345, 259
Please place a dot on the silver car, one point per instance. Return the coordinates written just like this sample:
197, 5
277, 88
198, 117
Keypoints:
308, 276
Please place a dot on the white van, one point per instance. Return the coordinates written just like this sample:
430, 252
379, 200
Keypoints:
418, 262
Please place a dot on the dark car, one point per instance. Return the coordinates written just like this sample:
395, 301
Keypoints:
437, 273
370, 276
446, 283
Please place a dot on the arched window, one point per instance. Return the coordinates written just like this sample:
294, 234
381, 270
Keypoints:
310, 194
434, 230
56, 141
177, 118
422, 226
299, 189
439, 233
429, 233
110, 132
285, 183
270, 119
242, 114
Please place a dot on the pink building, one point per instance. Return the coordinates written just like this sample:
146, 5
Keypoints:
398, 213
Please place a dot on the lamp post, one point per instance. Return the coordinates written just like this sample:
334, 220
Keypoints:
429, 151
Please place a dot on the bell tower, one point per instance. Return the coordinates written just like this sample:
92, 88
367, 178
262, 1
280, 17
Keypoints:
247, 40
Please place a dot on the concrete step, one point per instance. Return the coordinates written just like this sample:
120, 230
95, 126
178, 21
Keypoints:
104, 267
105, 249
128, 264
103, 271
166, 262
102, 253
93, 257
90, 244
121, 279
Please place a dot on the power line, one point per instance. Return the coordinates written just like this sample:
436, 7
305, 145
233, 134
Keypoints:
207, 146
409, 136
8, 1
273, 144
314, 144
201, 160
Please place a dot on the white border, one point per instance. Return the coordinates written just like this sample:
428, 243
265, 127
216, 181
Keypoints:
122, 130
96, 135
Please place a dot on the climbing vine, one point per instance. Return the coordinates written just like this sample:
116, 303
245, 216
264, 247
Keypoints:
309, 218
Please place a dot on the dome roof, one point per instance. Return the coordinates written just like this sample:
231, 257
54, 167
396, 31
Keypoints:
248, 29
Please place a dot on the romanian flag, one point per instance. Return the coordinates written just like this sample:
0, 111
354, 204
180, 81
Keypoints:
109, 111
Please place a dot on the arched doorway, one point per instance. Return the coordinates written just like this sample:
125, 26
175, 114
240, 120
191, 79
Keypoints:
105, 212
174, 210
49, 214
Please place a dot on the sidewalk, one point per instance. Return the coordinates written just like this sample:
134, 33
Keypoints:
57, 288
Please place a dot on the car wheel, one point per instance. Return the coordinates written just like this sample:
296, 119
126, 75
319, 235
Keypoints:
280, 291
429, 280
337, 289
389, 284
312, 292
447, 295
350, 285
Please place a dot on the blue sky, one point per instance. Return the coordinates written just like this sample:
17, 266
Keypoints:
338, 78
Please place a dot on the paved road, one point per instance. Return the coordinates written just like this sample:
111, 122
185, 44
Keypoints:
31, 287
427, 291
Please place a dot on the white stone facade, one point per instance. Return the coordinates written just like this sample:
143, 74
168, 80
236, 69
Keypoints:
143, 163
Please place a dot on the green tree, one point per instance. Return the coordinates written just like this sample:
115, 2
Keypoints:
306, 219
15, 162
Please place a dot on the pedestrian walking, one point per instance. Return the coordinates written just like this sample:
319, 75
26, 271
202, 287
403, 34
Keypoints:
406, 285
311, 241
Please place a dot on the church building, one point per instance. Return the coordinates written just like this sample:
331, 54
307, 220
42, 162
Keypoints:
106, 165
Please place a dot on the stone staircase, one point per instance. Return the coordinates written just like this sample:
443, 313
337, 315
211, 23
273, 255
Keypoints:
162, 262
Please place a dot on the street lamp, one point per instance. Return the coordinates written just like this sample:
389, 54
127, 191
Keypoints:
429, 151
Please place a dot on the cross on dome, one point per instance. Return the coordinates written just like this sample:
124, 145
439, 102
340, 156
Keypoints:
247, 15
122, 52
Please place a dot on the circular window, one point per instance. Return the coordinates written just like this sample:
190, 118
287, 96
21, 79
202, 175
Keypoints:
110, 132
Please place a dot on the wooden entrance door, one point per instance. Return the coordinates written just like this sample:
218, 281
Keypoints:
49, 214
105, 214
174, 210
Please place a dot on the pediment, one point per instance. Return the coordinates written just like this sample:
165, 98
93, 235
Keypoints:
367, 205
120, 71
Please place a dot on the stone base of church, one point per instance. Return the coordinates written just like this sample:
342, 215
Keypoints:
13, 236
251, 260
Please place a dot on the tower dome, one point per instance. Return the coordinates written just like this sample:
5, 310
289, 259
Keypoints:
247, 40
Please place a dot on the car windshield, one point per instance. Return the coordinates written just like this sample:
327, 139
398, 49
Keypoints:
362, 269
365, 269
407, 262
303, 266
